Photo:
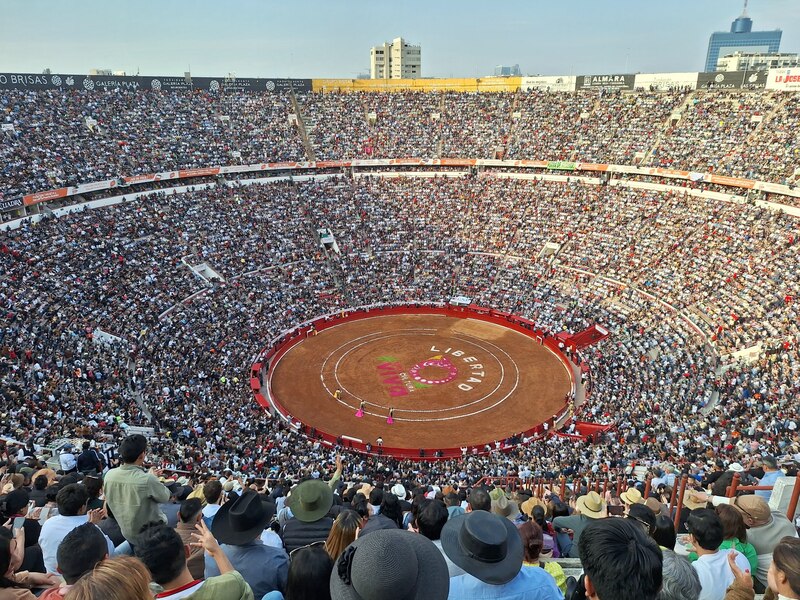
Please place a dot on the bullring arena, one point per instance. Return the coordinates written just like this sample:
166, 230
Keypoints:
178, 289
452, 378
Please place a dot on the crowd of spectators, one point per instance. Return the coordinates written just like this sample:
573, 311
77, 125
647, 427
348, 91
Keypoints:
149, 313
122, 274
339, 534
60, 138
71, 137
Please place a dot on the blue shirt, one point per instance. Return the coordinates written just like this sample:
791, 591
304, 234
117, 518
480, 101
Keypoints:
769, 479
265, 568
529, 584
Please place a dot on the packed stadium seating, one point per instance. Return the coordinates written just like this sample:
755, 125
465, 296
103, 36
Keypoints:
149, 313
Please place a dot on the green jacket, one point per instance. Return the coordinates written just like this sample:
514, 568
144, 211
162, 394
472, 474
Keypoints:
133, 496
747, 549
230, 586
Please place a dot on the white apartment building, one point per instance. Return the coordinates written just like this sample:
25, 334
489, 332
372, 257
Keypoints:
395, 60
746, 61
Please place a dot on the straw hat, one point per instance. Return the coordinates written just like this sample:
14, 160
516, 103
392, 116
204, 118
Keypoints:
632, 496
592, 506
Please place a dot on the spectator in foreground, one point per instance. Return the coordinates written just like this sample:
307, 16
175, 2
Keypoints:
765, 528
771, 474
189, 515
163, 552
587, 508
310, 503
734, 535
489, 549
706, 535
784, 573
390, 515
680, 580
133, 493
533, 547
79, 552
309, 575
72, 508
212, 491
16, 585
238, 526
664, 534
118, 578
431, 519
390, 563
342, 533
620, 561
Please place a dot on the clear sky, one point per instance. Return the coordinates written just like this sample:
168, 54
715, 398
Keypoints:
332, 38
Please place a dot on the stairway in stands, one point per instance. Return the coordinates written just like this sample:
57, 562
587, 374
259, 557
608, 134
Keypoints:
665, 128
302, 129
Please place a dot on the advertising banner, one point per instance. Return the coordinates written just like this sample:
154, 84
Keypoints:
665, 81
720, 80
31, 199
133, 83
754, 80
561, 165
10, 204
783, 79
617, 82
554, 83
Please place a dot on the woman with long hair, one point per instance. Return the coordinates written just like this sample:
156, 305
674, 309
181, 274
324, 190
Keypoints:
14, 585
118, 578
342, 533
784, 572
532, 544
309, 574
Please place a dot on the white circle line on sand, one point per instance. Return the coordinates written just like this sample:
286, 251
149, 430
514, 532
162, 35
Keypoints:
416, 411
471, 414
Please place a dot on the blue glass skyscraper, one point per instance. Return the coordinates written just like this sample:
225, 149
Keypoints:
741, 38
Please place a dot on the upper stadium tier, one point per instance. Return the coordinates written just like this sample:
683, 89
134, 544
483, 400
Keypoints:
59, 137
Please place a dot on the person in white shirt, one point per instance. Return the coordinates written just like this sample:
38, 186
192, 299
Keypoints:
706, 535
66, 458
72, 504
212, 491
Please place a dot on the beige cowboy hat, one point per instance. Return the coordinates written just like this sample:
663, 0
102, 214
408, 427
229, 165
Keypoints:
592, 506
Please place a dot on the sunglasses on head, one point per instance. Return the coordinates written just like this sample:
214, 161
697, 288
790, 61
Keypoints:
735, 503
311, 545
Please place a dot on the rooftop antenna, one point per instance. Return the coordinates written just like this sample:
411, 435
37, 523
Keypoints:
744, 11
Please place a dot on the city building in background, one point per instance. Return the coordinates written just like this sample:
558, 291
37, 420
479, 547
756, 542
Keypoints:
395, 60
748, 61
505, 71
106, 72
741, 38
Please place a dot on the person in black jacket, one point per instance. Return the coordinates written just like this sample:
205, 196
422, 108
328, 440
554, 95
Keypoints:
310, 503
390, 516
89, 461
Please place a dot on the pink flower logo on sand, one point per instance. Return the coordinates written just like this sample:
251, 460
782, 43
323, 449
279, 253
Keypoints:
436, 362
